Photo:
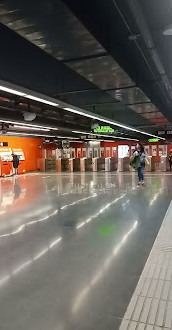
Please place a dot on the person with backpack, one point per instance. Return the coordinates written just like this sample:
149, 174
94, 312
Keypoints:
138, 161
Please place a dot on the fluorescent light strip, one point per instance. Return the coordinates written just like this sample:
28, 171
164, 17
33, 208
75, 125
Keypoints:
25, 124
110, 122
33, 134
31, 97
12, 91
67, 137
32, 128
103, 135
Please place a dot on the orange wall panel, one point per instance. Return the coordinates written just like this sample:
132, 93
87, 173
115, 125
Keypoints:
30, 147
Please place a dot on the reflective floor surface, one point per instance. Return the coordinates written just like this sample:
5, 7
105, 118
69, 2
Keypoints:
72, 247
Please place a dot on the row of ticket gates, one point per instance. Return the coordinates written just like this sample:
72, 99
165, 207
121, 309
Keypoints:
6, 161
108, 164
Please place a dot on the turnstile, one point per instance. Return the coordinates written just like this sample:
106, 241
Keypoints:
89, 164
113, 164
50, 164
123, 164
77, 164
86, 164
101, 164
64, 165
94, 164
163, 164
151, 166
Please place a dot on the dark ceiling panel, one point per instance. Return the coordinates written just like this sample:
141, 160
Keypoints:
24, 64
51, 26
153, 115
63, 35
143, 108
85, 98
130, 95
113, 23
103, 72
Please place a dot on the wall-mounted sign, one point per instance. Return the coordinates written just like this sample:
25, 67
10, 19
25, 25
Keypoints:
103, 129
84, 137
153, 140
165, 133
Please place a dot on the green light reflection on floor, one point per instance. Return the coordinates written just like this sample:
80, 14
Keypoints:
106, 230
157, 184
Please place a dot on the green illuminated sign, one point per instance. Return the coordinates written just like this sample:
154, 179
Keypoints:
103, 129
153, 140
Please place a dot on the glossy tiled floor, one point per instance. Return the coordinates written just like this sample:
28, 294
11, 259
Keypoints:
72, 247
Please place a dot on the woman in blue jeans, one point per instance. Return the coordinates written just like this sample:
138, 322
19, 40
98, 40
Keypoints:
142, 155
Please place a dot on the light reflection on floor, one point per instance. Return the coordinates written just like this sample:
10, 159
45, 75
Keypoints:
55, 267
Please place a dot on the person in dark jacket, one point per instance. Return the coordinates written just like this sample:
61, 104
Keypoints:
170, 160
15, 164
140, 151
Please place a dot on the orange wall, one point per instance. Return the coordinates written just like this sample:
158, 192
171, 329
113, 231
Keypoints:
29, 147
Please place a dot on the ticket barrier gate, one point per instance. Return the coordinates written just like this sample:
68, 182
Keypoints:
87, 164
111, 164
77, 164
50, 164
44, 165
151, 166
164, 164
123, 164
64, 165
101, 164
94, 164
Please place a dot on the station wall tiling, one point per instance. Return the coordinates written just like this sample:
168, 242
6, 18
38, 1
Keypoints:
30, 147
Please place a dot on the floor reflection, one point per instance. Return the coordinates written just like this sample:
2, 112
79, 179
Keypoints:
72, 246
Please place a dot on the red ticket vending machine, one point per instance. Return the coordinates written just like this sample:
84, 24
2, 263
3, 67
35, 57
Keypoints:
21, 157
6, 166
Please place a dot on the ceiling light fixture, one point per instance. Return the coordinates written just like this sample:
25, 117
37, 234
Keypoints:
111, 136
12, 91
82, 113
32, 128
28, 96
34, 98
110, 122
68, 137
27, 125
32, 134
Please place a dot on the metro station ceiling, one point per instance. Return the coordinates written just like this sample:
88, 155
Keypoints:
96, 72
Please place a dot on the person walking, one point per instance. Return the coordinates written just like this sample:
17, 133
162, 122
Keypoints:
170, 160
15, 164
138, 161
